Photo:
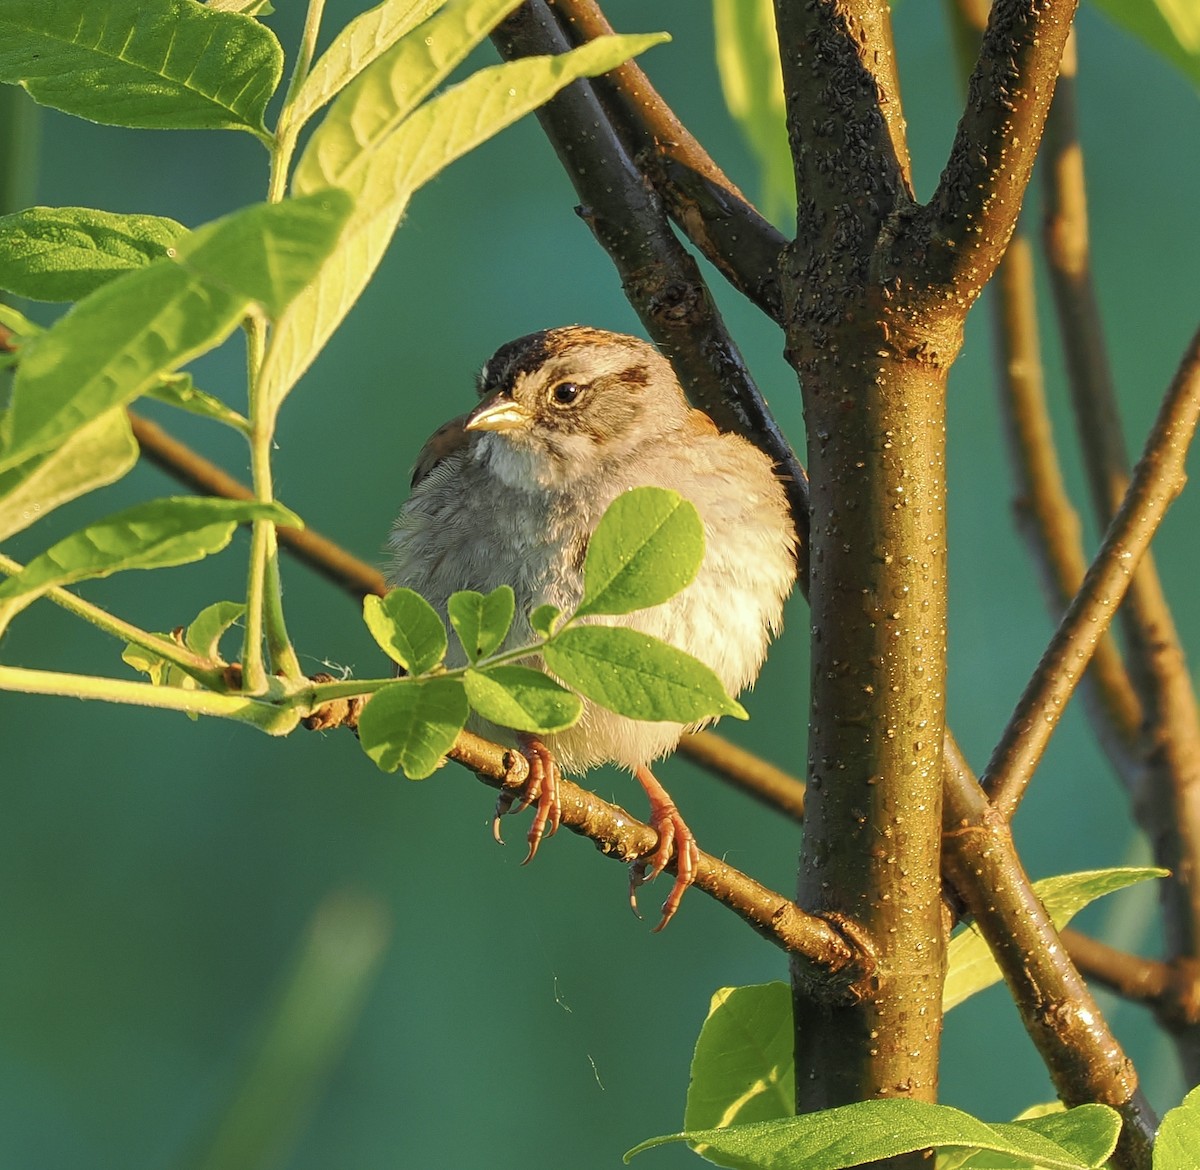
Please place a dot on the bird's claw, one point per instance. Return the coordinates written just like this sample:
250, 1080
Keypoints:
674, 837
541, 788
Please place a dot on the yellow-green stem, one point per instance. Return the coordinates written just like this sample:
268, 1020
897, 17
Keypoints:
285, 131
199, 667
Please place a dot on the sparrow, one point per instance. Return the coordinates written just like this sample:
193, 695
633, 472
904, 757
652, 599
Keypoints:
510, 493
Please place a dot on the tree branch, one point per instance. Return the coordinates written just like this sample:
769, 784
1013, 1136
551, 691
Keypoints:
1044, 512
1157, 480
974, 210
699, 196
1168, 803
1085, 1060
839, 956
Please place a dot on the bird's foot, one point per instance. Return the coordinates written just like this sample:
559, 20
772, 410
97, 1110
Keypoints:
541, 788
674, 838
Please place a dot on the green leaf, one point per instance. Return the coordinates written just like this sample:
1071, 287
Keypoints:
98, 454
742, 1068
20, 325
638, 676
852, 1135
752, 82
407, 628
413, 724
377, 103
970, 966
1171, 28
268, 252
64, 253
180, 391
118, 342
522, 698
647, 547
156, 64
153, 535
481, 623
205, 633
392, 168
543, 620
247, 7
366, 38
160, 672
1179, 1136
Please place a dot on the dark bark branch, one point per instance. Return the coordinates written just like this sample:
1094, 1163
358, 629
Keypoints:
974, 210
699, 196
1168, 803
1157, 480
1085, 1060
845, 124
660, 278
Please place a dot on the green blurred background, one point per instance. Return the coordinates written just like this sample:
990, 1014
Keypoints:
159, 877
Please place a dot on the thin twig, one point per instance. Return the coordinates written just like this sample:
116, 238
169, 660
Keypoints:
743, 770
1169, 804
1043, 509
1157, 480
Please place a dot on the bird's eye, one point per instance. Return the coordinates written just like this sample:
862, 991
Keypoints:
565, 393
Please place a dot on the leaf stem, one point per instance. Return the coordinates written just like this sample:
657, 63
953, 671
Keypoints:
286, 128
197, 666
198, 702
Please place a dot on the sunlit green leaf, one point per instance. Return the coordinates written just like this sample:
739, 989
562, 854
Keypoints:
205, 633
267, 252
64, 253
543, 620
413, 724
98, 454
647, 547
247, 7
376, 103
18, 324
742, 1069
153, 535
636, 675
366, 38
869, 1131
180, 391
1171, 28
149, 63
481, 622
407, 628
118, 342
160, 672
752, 82
970, 966
439, 132
521, 698
1179, 1136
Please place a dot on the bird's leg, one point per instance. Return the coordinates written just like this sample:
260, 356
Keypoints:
541, 788
673, 837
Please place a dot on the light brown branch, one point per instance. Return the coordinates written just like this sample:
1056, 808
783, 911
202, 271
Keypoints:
840, 957
1045, 514
1168, 804
743, 770
1157, 480
1085, 1060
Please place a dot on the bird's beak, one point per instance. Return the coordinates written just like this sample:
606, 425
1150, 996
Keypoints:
500, 414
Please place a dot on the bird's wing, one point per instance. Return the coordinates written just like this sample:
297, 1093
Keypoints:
444, 442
